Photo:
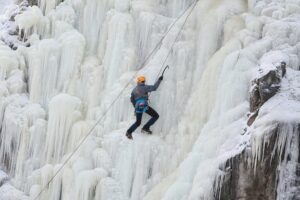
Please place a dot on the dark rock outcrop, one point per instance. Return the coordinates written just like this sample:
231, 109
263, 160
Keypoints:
29, 2
264, 88
275, 172
243, 181
33, 2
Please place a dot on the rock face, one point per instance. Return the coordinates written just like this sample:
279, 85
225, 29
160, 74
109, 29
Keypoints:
268, 168
33, 2
263, 88
244, 181
30, 2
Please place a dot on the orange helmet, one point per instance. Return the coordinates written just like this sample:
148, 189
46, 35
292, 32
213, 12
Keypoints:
141, 79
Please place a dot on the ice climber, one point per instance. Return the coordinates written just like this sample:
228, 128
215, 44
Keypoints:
139, 99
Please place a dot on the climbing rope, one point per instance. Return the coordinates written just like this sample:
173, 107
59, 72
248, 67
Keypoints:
192, 6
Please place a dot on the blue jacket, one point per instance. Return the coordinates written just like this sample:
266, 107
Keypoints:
141, 91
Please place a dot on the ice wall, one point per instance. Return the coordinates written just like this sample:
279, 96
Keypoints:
4, 4
81, 55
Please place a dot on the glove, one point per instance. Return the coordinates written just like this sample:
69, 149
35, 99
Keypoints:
161, 78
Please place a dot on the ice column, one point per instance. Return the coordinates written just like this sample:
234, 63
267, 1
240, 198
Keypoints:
117, 44
47, 5
90, 22
53, 64
64, 110
43, 62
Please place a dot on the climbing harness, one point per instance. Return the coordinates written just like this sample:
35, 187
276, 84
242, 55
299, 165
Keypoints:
192, 6
141, 105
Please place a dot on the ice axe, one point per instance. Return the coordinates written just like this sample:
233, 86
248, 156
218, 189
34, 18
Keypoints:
167, 67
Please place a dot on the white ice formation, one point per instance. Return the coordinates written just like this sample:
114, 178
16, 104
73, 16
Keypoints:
81, 55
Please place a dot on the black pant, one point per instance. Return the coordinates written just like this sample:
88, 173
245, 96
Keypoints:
150, 111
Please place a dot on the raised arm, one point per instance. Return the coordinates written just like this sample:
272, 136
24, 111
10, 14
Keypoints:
151, 88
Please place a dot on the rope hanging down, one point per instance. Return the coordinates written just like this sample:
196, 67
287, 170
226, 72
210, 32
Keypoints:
121, 92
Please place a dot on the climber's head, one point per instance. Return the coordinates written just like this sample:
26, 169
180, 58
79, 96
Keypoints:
141, 79
283, 64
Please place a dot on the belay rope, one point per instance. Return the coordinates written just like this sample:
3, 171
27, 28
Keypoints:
192, 6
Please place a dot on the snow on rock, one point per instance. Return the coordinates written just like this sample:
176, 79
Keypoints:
10, 33
28, 19
283, 108
274, 137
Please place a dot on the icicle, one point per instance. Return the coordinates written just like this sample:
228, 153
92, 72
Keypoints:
53, 64
117, 43
16, 82
92, 14
63, 13
48, 5
289, 167
64, 110
86, 183
28, 19
43, 70
8, 61
89, 86
122, 5
109, 189
102, 160
72, 52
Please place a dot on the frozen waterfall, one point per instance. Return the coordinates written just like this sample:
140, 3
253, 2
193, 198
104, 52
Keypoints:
62, 64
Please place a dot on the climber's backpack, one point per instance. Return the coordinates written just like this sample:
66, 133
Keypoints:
141, 105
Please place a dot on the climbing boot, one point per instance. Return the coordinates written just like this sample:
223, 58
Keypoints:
147, 130
129, 136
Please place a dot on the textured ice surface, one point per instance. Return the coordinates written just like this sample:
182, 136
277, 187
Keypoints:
81, 55
4, 4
